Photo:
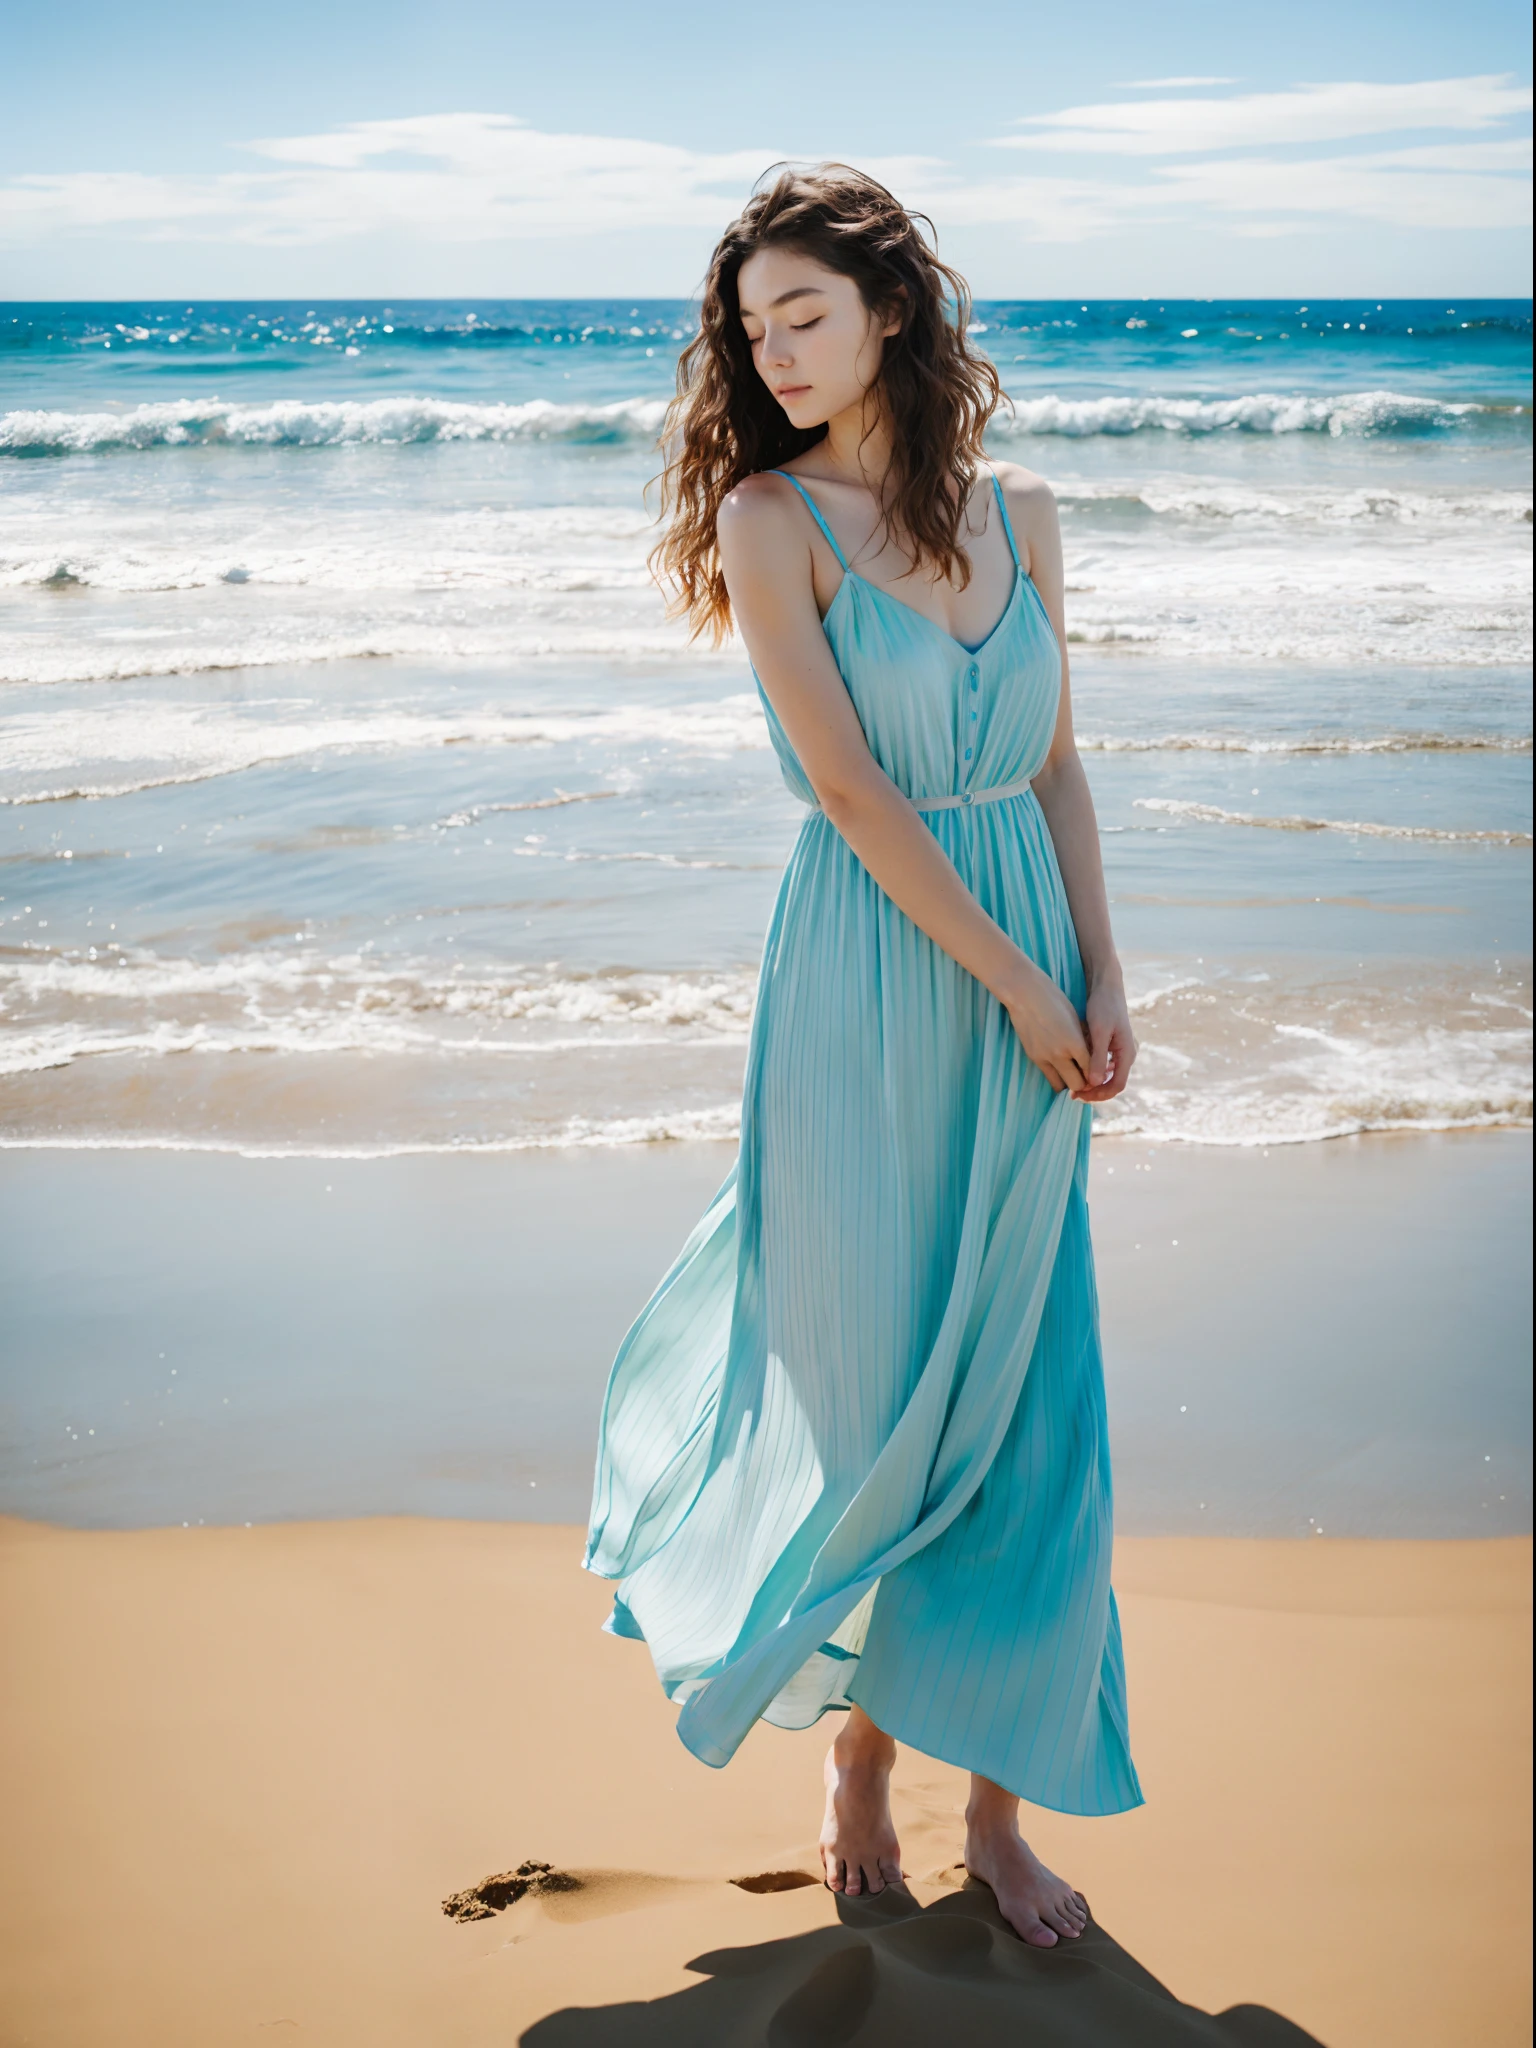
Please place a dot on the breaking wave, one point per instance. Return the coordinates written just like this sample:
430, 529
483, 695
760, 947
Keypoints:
708, 1126
1234, 1060
1213, 814
1257, 412
1214, 502
336, 423
399, 421
118, 749
1305, 743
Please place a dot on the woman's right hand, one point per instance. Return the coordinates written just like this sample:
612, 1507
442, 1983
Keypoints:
1051, 1032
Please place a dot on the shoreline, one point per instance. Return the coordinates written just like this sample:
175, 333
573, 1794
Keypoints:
706, 1134
276, 1751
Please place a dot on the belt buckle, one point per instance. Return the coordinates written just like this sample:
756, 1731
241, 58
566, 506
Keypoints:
968, 797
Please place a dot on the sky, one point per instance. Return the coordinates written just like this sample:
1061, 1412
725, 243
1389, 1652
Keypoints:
490, 148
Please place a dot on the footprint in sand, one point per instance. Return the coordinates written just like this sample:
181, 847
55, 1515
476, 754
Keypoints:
775, 1881
493, 1895
601, 1891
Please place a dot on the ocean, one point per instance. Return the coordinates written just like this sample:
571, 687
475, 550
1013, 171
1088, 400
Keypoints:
357, 797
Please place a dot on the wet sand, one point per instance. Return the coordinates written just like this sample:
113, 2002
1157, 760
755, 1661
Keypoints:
1332, 1336
243, 1769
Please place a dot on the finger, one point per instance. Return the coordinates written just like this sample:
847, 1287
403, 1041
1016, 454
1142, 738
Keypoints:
1124, 1050
1100, 1052
1050, 1073
1114, 1086
1074, 1071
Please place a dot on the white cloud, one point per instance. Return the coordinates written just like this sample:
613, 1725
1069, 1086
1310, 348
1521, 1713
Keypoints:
455, 177
1047, 209
1306, 113
464, 177
1389, 187
1446, 187
1513, 154
470, 178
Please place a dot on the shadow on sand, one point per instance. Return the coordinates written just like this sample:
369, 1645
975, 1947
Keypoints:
906, 1976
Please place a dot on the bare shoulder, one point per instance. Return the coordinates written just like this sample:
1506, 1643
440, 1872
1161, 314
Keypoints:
759, 513
1032, 514
1029, 497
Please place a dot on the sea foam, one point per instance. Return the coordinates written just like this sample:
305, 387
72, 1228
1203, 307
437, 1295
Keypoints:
1213, 814
319, 423
404, 420
1255, 412
116, 749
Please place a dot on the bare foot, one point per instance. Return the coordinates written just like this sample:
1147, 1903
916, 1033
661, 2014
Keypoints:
1039, 1906
859, 1850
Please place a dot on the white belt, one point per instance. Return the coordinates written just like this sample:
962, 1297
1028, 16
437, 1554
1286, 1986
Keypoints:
971, 796
963, 803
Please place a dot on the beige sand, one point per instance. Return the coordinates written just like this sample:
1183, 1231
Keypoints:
244, 1767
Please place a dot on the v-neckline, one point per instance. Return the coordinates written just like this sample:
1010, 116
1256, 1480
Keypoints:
879, 589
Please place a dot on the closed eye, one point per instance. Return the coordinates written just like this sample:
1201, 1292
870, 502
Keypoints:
804, 326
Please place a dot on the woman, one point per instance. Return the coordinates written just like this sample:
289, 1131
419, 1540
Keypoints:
853, 1451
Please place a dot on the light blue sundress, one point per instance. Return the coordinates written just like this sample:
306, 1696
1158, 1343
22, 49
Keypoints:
854, 1448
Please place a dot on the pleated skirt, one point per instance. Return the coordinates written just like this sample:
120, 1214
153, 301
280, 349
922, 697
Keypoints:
855, 1448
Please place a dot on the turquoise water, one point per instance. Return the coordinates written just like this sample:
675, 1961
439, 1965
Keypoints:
1423, 353
358, 796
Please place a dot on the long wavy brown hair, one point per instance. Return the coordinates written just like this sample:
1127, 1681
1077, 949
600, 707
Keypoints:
725, 424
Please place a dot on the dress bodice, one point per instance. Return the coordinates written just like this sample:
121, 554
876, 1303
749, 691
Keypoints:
939, 717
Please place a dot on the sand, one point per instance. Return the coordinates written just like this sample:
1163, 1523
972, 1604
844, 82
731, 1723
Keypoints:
243, 1769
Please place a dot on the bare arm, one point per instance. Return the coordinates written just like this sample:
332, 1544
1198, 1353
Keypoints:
766, 555
1062, 788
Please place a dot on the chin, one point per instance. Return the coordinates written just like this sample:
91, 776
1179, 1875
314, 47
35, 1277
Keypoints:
804, 413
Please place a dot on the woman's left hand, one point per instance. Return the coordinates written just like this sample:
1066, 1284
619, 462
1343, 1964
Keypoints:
1111, 1044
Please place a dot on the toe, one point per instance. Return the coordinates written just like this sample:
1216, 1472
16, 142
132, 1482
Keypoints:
891, 1871
1040, 1936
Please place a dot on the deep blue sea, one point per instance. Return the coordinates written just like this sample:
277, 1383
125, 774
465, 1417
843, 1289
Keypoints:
356, 794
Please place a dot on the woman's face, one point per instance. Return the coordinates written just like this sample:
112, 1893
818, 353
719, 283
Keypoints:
815, 343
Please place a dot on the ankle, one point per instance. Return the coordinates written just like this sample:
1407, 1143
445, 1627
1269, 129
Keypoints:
987, 1819
868, 1748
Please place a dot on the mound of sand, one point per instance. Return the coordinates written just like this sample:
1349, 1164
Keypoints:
905, 1976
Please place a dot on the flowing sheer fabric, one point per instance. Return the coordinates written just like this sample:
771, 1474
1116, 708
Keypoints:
854, 1448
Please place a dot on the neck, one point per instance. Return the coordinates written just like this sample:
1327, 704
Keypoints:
858, 444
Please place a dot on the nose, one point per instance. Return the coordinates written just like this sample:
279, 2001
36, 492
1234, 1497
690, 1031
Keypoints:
776, 348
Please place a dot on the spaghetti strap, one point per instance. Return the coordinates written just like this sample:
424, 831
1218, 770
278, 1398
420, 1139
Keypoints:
1002, 506
815, 512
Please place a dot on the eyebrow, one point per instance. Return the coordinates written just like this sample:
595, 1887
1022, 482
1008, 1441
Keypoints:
801, 291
